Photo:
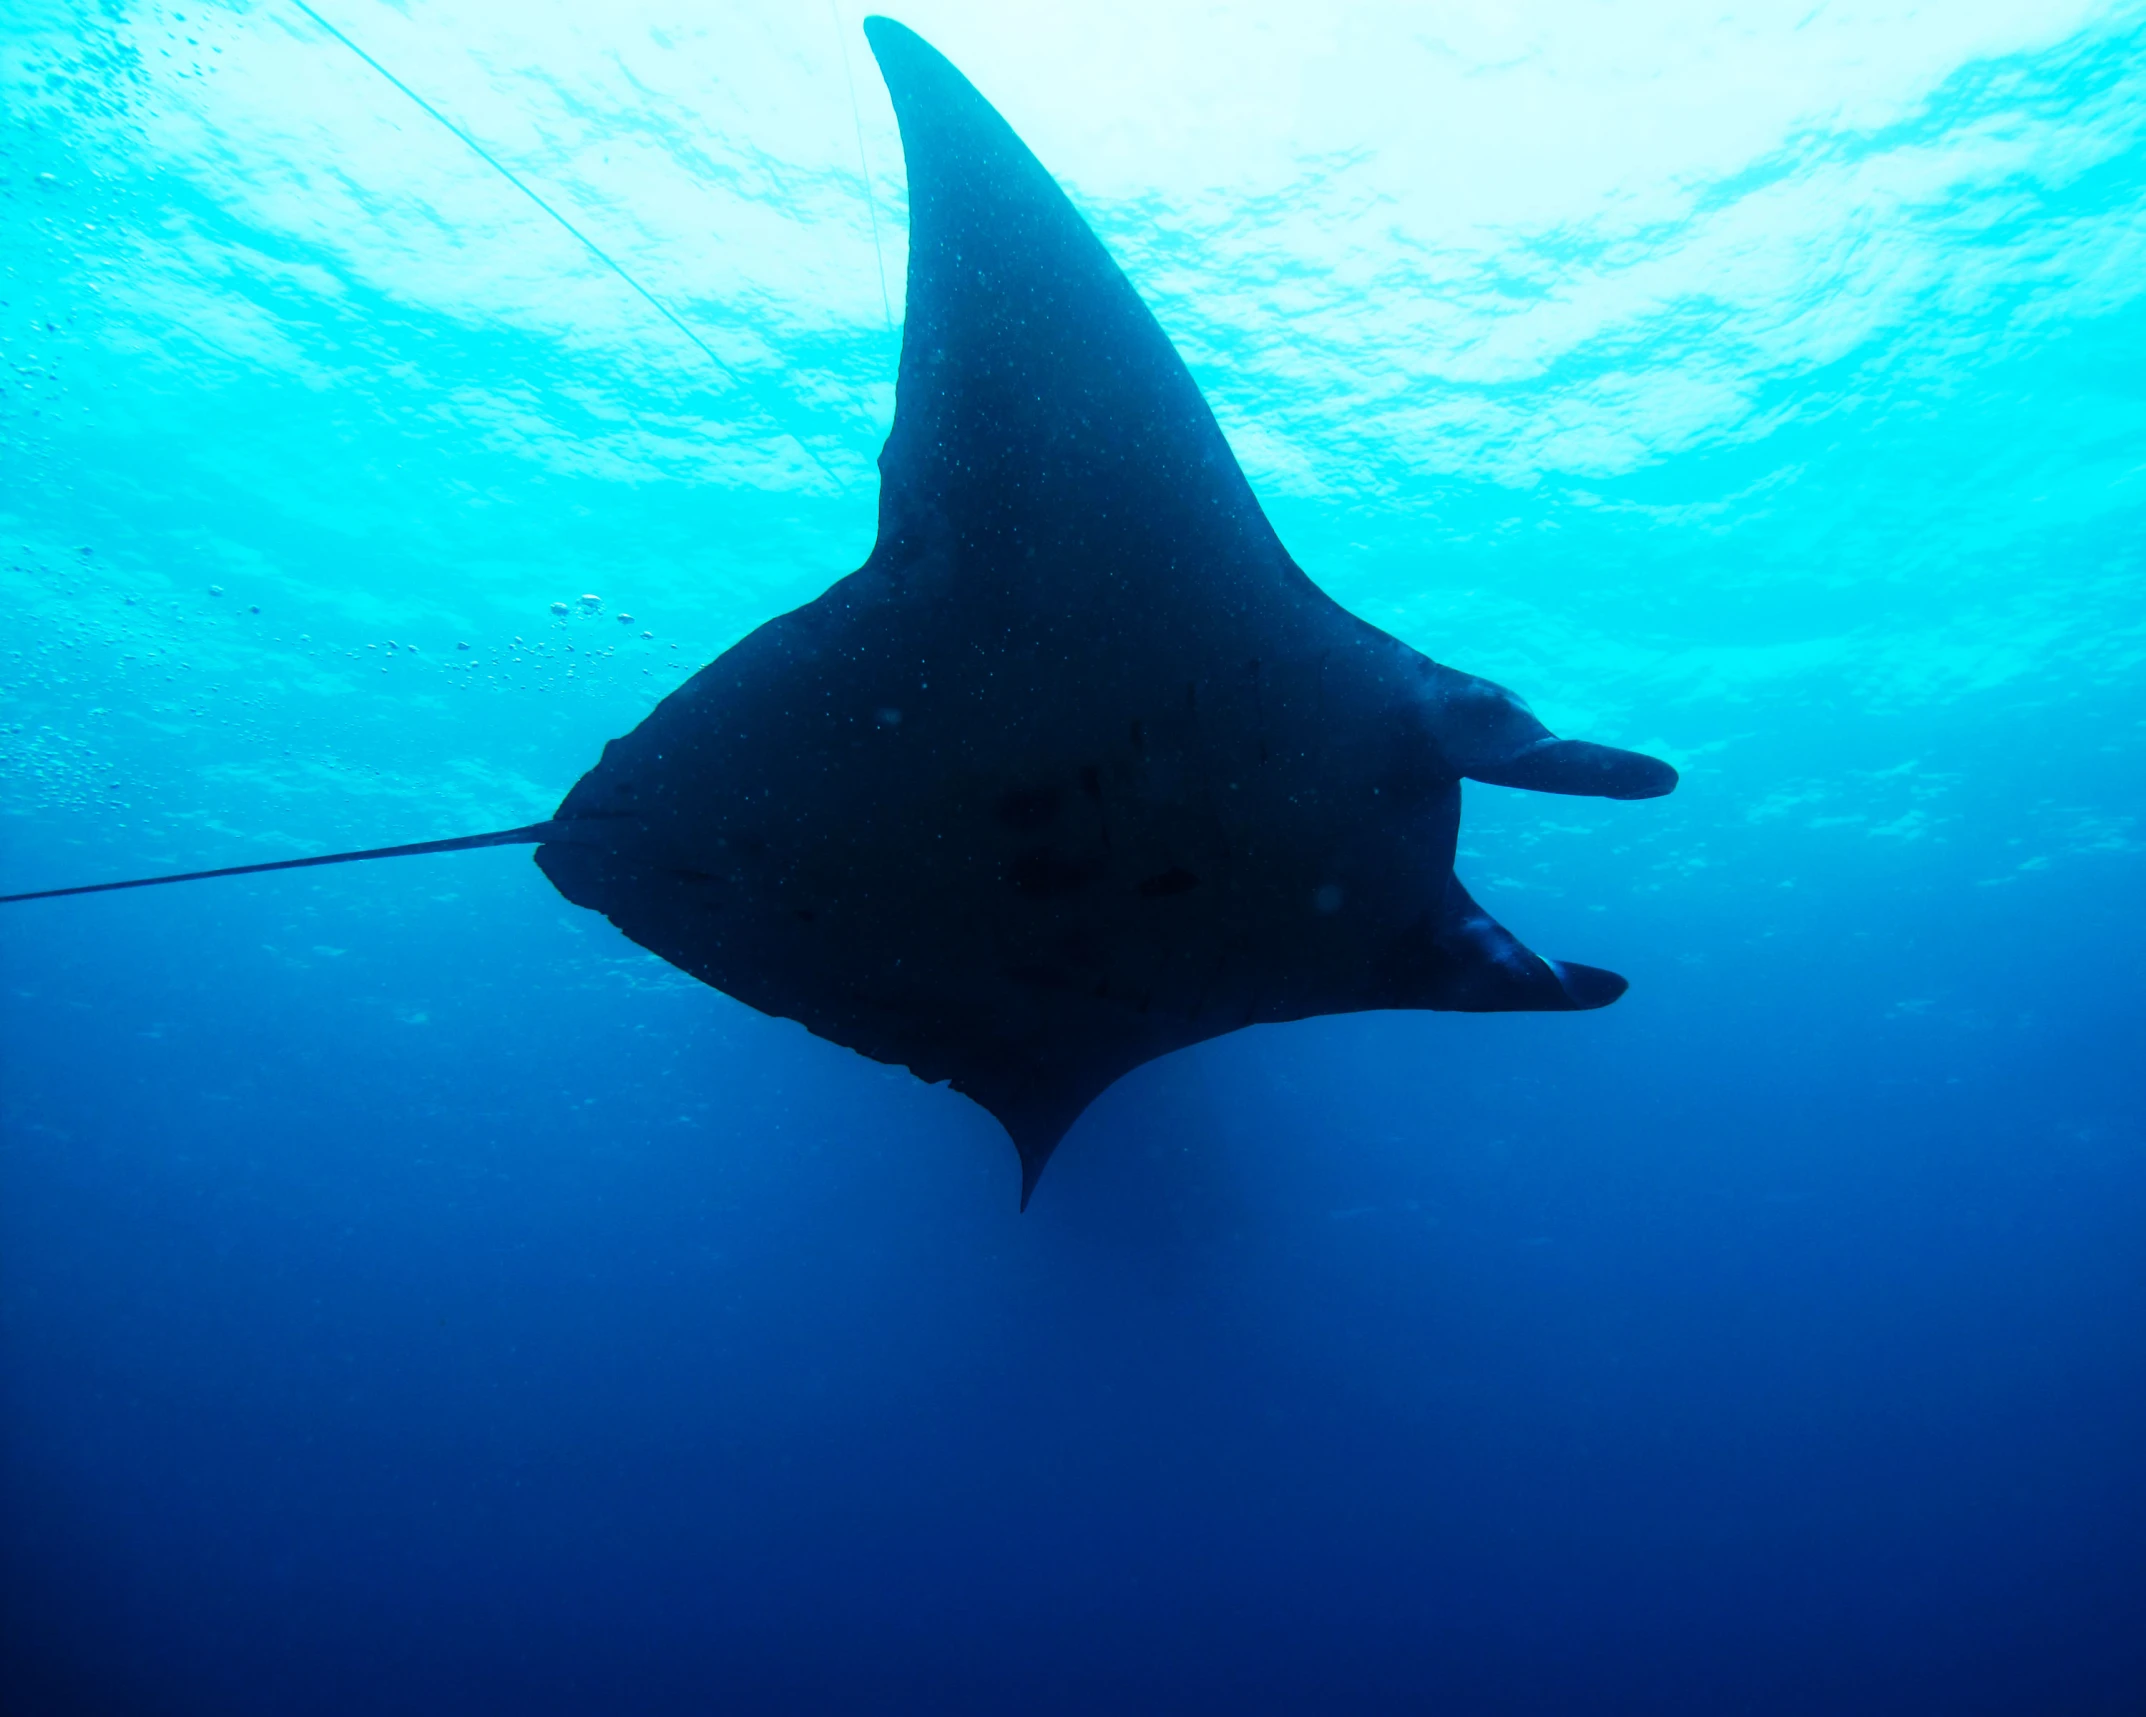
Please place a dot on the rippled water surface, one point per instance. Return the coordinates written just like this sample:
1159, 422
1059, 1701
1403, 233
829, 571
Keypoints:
414, 1297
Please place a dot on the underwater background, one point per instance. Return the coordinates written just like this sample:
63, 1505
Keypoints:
414, 1297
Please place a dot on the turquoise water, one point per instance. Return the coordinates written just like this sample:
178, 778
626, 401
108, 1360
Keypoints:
414, 1295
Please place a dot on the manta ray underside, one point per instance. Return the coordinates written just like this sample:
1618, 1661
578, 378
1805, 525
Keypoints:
1079, 767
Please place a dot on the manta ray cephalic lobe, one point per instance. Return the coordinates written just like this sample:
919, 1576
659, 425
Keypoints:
1079, 767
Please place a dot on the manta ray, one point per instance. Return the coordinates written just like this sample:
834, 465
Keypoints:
1080, 767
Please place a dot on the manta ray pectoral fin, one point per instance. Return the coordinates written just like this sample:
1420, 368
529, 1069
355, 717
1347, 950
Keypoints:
1048, 445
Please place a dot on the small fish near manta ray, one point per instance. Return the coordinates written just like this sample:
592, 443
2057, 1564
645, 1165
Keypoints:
1079, 767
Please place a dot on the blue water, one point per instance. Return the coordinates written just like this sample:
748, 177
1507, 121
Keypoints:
415, 1298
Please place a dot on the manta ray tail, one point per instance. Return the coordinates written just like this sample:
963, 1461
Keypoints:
1031, 1172
1037, 1107
529, 834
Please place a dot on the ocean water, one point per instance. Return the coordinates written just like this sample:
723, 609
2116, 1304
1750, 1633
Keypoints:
415, 1298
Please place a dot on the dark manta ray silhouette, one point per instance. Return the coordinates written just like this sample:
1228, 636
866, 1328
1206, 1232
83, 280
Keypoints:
1079, 767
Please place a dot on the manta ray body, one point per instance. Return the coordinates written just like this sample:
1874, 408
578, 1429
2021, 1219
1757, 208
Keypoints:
1079, 767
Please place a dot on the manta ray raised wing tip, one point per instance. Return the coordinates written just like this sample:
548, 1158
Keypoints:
884, 33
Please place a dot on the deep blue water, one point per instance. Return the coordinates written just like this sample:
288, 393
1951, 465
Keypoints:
415, 1298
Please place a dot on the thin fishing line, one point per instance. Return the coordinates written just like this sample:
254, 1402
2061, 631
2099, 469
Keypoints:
596, 250
528, 835
864, 167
